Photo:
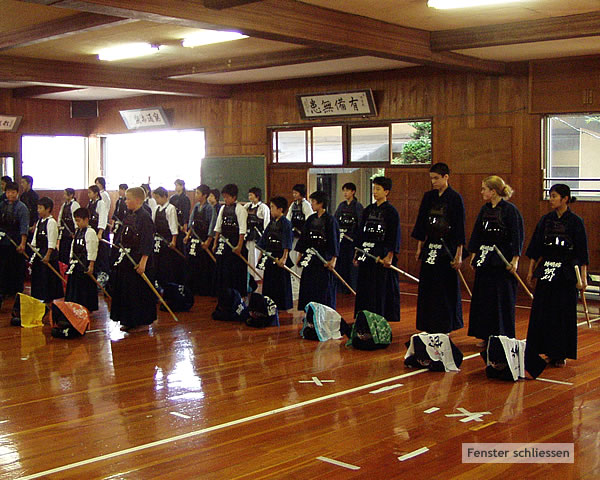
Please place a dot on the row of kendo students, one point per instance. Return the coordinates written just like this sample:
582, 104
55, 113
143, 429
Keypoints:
440, 232
557, 246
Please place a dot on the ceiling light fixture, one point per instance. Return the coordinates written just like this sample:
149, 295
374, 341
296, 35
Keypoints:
448, 4
128, 50
208, 37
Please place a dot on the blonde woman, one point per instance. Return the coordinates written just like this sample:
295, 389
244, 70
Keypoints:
499, 223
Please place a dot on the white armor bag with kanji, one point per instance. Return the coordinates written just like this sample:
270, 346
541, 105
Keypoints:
514, 351
437, 346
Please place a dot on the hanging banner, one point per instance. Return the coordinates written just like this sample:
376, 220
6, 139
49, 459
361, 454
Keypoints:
337, 104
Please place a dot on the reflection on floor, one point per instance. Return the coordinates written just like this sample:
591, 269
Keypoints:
216, 400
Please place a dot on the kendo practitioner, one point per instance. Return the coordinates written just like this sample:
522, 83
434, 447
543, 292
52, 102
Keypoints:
440, 224
120, 211
559, 242
277, 240
149, 203
297, 214
321, 232
66, 225
100, 182
30, 198
199, 270
14, 224
133, 302
98, 221
81, 288
45, 284
4, 180
348, 215
169, 266
259, 216
231, 271
499, 223
117, 218
213, 200
378, 233
182, 204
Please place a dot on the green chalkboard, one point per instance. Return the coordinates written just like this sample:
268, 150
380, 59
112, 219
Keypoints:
245, 172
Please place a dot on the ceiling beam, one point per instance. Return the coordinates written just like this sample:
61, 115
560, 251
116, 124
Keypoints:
221, 4
251, 62
37, 90
298, 23
58, 28
73, 74
555, 28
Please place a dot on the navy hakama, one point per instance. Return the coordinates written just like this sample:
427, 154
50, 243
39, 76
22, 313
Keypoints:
495, 289
67, 228
277, 282
14, 223
318, 283
118, 217
561, 242
81, 288
440, 224
231, 270
378, 289
199, 271
133, 302
12, 270
182, 204
348, 217
45, 284
168, 265
98, 221
64, 247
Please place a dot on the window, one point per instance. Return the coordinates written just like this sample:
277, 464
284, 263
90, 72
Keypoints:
370, 144
317, 145
55, 163
409, 143
157, 157
572, 152
328, 146
291, 146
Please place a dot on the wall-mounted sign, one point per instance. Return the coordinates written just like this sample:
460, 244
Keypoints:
10, 123
337, 104
153, 117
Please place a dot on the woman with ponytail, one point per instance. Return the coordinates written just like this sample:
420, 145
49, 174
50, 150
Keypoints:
499, 224
558, 245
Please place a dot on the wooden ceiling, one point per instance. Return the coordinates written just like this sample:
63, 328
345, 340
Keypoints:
49, 48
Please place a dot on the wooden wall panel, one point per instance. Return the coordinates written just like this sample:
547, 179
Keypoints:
281, 180
479, 150
454, 100
565, 85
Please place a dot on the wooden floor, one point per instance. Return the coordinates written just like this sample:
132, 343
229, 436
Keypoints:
212, 400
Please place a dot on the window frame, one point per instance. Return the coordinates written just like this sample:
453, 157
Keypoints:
103, 150
546, 167
86, 160
346, 143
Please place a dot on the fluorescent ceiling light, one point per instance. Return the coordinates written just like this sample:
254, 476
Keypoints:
207, 37
128, 50
448, 4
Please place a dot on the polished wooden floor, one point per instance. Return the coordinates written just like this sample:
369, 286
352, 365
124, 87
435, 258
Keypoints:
212, 400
